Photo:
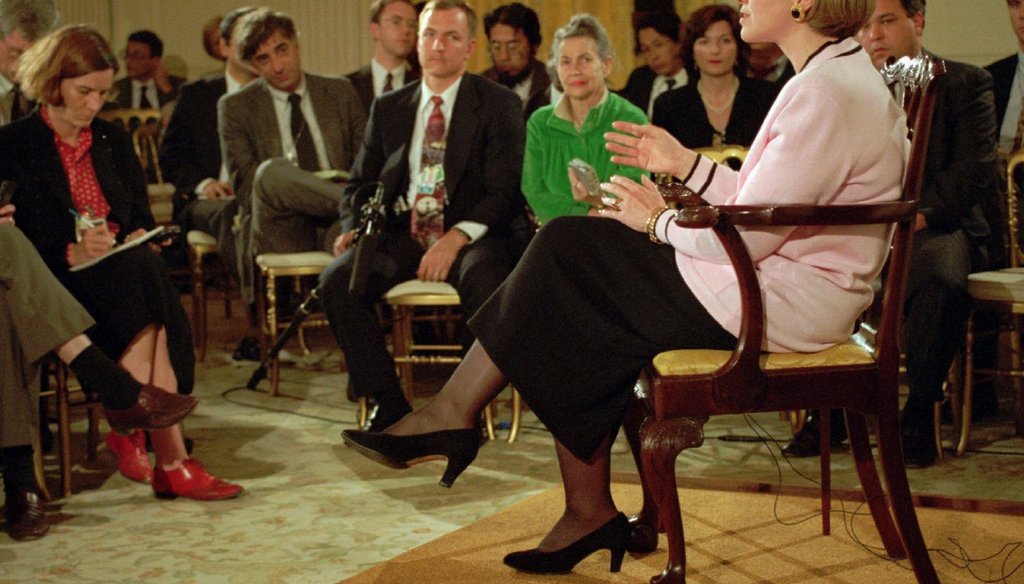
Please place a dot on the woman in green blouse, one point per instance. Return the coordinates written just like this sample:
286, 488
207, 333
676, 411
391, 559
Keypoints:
574, 127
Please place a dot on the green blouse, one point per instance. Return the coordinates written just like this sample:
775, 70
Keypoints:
552, 141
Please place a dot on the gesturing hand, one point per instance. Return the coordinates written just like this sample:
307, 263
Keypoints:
648, 147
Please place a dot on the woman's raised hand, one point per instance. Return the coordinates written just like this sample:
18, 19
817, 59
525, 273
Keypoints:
648, 147
96, 241
631, 202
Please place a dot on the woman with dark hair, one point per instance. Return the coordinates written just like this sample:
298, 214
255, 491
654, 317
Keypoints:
659, 40
720, 105
80, 192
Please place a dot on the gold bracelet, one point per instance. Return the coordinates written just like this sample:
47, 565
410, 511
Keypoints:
652, 222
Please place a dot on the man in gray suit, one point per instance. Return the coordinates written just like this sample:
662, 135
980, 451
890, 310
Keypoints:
279, 135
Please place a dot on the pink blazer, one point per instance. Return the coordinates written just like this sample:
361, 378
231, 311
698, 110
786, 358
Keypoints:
833, 136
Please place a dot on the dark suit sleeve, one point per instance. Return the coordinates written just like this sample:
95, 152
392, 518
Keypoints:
178, 151
501, 147
365, 170
965, 174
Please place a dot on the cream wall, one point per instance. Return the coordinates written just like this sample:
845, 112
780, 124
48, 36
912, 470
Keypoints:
334, 36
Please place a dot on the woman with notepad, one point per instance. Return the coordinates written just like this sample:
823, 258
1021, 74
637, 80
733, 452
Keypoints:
62, 158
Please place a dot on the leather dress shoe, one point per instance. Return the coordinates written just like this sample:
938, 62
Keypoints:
248, 350
807, 441
192, 481
26, 519
154, 409
919, 449
130, 450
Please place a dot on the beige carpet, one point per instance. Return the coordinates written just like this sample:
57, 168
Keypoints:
731, 537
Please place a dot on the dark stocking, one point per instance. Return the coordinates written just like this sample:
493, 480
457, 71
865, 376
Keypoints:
588, 496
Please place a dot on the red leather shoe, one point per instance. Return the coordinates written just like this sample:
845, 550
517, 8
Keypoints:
132, 460
192, 481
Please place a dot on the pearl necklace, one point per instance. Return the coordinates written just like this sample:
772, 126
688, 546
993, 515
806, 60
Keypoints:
726, 105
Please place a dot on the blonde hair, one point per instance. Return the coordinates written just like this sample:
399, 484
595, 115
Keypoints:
66, 53
839, 18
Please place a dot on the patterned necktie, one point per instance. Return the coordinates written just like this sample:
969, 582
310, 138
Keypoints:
301, 137
1018, 137
427, 218
388, 84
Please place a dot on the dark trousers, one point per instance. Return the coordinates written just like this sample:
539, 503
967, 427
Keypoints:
479, 269
216, 218
937, 307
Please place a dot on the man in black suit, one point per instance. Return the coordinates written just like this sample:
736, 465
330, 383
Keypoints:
147, 83
461, 156
393, 28
1008, 82
952, 237
190, 153
513, 38
659, 38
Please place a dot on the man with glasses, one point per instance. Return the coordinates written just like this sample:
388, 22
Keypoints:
393, 28
513, 37
22, 23
147, 84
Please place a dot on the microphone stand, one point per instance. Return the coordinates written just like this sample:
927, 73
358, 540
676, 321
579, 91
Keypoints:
371, 223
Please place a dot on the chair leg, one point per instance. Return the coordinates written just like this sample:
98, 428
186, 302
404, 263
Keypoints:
489, 420
270, 334
198, 302
890, 451
1018, 384
64, 431
825, 462
661, 443
966, 394
517, 414
864, 462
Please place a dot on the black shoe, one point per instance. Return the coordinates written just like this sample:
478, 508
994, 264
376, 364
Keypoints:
807, 441
643, 539
612, 536
458, 446
248, 350
26, 519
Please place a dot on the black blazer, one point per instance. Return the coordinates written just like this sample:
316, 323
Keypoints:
190, 152
638, 87
29, 157
123, 99
362, 79
482, 164
682, 113
1003, 72
961, 177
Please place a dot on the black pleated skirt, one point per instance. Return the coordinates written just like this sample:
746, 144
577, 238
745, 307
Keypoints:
588, 305
127, 292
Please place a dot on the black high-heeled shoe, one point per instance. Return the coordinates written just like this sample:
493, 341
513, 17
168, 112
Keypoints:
612, 536
458, 446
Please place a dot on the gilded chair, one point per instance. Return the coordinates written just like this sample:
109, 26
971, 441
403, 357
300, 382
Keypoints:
66, 400
1000, 292
727, 154
200, 246
270, 267
681, 389
145, 127
441, 301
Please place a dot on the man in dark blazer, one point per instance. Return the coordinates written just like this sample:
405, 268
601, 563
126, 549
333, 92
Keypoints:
190, 152
1005, 74
484, 224
659, 38
146, 77
513, 38
393, 28
953, 237
278, 134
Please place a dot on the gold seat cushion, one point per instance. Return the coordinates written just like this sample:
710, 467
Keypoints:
703, 361
196, 237
306, 259
1000, 285
416, 292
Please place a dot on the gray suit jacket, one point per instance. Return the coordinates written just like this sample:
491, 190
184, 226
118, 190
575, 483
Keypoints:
249, 132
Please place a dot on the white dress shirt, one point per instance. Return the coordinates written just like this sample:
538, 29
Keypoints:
661, 86
1008, 130
380, 75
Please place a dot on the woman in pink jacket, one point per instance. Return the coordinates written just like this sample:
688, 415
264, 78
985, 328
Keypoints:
595, 298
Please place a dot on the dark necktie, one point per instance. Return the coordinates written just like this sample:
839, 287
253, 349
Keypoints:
144, 98
304, 148
427, 220
388, 84
670, 83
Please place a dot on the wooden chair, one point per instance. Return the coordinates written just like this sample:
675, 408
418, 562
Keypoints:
406, 301
270, 267
55, 385
201, 245
680, 389
727, 154
145, 127
1000, 292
